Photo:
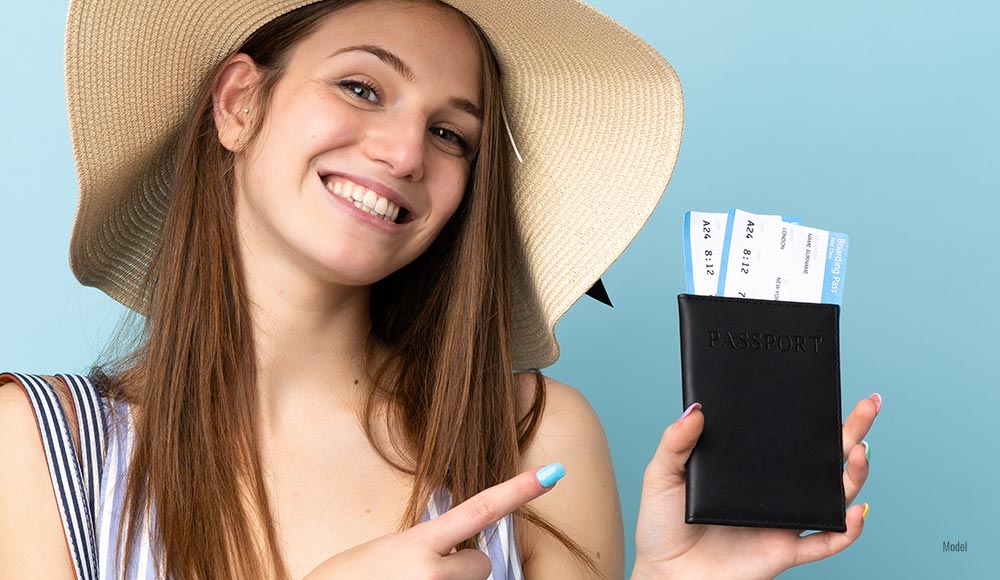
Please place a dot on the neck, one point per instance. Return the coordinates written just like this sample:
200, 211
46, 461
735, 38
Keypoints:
309, 336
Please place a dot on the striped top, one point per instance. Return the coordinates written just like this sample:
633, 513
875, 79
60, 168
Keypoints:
90, 491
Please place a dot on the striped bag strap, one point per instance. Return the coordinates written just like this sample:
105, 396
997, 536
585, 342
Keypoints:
76, 486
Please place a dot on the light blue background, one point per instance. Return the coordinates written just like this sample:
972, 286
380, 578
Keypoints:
879, 119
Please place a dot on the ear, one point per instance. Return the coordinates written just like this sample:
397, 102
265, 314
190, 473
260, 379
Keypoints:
231, 99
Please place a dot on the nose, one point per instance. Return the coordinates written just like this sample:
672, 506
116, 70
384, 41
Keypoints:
399, 144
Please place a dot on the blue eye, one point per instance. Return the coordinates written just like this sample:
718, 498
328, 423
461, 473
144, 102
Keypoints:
361, 89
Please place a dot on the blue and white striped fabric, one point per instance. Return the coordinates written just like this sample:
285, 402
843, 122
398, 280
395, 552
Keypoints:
75, 481
91, 492
497, 541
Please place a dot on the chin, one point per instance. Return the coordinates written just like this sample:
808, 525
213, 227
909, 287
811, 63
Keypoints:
349, 273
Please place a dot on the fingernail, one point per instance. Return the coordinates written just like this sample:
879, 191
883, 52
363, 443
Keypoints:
878, 401
550, 474
864, 514
868, 452
688, 411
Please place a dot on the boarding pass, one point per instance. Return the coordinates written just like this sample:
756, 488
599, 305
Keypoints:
770, 257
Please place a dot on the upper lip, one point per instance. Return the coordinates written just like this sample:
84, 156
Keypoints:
376, 186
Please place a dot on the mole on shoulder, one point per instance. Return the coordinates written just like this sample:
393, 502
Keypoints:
355, 381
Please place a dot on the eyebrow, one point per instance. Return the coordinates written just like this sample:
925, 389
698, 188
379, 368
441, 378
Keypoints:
404, 71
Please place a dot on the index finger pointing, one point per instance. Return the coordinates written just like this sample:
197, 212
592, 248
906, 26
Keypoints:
486, 507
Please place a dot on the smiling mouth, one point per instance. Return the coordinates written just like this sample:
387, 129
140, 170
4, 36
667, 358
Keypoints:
366, 199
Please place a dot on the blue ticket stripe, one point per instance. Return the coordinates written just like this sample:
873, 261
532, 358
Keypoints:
836, 268
688, 265
720, 289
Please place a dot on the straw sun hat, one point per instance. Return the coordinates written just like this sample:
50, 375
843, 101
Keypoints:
594, 115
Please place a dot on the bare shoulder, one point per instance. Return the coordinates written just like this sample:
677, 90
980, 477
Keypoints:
32, 543
571, 432
567, 413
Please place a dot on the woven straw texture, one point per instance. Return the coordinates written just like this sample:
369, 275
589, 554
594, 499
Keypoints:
596, 114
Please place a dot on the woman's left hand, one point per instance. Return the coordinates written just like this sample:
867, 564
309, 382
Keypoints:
667, 547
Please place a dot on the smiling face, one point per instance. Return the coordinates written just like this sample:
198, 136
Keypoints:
376, 111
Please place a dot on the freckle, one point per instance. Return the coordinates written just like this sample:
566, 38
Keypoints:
598, 555
368, 510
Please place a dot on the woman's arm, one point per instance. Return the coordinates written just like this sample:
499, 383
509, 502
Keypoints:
585, 504
32, 542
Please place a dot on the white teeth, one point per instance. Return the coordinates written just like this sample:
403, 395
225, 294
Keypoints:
370, 198
365, 199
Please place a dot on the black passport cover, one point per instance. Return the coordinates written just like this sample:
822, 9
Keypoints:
767, 374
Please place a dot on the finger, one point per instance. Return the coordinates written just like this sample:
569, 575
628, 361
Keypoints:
856, 473
666, 471
465, 565
860, 421
825, 544
488, 506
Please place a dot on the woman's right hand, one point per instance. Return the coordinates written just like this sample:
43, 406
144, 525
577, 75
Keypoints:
427, 550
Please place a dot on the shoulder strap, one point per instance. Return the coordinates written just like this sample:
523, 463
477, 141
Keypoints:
75, 498
496, 541
92, 428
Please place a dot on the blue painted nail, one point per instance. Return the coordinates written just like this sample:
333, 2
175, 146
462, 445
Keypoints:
550, 474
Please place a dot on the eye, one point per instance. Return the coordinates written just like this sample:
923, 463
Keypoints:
361, 89
452, 137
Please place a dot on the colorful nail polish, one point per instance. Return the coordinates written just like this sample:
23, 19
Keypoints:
864, 514
550, 474
878, 401
868, 452
688, 411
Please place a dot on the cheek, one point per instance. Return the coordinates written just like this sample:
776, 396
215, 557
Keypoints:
456, 194
308, 122
285, 152
447, 206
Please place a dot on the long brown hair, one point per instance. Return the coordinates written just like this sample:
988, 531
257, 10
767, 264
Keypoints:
447, 384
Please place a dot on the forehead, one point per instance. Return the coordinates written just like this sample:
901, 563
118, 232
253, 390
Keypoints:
432, 39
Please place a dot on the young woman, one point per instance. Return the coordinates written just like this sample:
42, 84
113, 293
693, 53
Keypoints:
347, 224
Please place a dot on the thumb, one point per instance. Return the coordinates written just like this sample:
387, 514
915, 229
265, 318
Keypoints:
666, 470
